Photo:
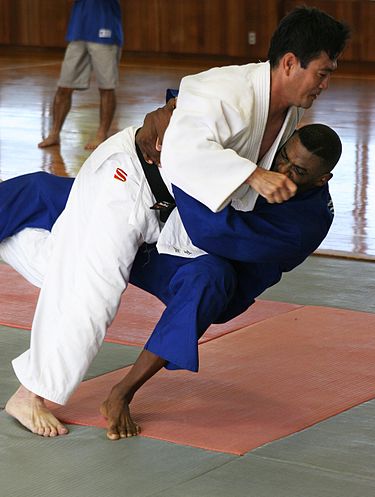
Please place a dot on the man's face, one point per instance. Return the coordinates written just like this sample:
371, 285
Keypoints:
307, 84
300, 165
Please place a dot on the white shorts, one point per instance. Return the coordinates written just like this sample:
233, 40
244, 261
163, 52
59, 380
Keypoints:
82, 58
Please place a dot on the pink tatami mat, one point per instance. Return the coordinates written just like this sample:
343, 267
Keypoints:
255, 385
138, 314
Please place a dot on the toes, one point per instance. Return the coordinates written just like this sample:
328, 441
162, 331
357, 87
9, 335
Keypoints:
46, 429
53, 432
113, 435
131, 430
62, 430
117, 431
134, 431
47, 432
113, 432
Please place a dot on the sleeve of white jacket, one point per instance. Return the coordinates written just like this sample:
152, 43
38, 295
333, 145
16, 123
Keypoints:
212, 116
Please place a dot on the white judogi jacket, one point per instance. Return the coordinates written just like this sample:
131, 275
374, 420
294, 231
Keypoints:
213, 140
89, 255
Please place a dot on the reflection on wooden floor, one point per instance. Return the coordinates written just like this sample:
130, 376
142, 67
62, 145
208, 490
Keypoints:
27, 87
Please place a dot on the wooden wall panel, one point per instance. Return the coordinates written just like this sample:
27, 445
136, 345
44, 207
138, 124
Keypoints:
5, 13
54, 17
359, 14
141, 25
207, 27
192, 27
365, 30
33, 22
204, 27
263, 18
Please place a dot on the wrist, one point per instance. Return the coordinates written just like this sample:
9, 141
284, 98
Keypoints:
254, 175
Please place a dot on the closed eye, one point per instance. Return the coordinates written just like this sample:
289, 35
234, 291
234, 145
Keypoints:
284, 155
299, 170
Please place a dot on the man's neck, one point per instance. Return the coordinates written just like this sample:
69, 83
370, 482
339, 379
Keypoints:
279, 103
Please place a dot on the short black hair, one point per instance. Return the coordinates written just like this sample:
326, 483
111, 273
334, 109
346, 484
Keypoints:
322, 141
307, 32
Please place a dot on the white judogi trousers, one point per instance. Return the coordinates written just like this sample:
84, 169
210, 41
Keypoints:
91, 250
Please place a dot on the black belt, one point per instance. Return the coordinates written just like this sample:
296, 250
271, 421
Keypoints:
164, 201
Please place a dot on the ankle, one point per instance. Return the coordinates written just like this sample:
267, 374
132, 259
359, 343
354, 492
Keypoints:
28, 394
119, 392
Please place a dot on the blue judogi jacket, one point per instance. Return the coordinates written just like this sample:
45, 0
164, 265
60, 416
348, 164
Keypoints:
263, 243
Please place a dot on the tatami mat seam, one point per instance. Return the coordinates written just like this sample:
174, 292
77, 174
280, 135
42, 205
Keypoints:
309, 466
196, 477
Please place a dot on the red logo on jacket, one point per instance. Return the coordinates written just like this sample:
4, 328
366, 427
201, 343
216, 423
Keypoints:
120, 174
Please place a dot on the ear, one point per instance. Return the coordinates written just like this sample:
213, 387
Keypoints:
289, 61
323, 179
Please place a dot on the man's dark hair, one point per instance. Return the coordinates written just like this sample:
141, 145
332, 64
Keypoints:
306, 32
323, 141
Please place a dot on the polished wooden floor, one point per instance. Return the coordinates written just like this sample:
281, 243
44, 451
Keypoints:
27, 85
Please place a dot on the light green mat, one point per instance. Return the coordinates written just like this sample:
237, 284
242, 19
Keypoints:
14, 341
335, 458
84, 463
330, 282
343, 444
262, 478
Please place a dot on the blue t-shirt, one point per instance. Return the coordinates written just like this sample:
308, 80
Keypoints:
98, 21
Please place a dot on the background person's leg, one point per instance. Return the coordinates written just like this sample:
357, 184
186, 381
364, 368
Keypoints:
60, 109
106, 113
105, 64
75, 75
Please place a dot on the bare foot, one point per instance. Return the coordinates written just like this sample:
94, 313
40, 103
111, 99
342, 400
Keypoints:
120, 424
29, 409
49, 141
92, 144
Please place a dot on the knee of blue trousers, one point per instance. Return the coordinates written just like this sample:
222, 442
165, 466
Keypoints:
206, 279
199, 292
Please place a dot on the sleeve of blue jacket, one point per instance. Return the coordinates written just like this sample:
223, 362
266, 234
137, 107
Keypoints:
33, 200
279, 233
